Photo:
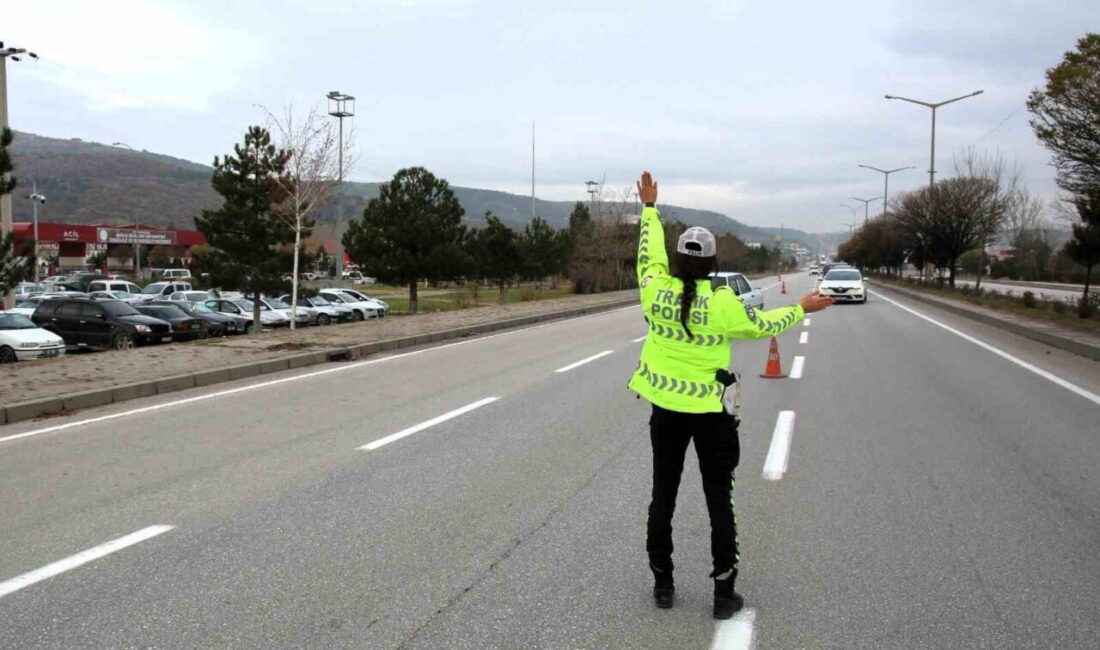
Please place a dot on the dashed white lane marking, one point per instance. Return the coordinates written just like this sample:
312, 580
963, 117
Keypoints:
1068, 385
806, 322
796, 367
584, 361
83, 557
275, 382
736, 633
804, 338
639, 339
381, 442
775, 465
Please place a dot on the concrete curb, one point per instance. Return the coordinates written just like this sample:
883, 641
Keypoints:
101, 397
1053, 340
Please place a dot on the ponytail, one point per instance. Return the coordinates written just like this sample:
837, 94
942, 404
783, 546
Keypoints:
687, 299
689, 270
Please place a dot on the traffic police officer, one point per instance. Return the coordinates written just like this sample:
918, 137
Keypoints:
690, 330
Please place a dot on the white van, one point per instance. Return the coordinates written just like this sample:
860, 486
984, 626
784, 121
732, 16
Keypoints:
176, 274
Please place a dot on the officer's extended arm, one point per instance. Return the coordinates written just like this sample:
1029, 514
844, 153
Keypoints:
742, 322
652, 258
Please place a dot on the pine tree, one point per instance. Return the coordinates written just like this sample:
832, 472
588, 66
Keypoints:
250, 247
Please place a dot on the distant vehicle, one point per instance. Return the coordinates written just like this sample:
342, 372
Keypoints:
176, 274
844, 285
740, 285
832, 265
815, 270
360, 310
124, 289
162, 290
216, 324
304, 315
382, 306
55, 278
351, 274
80, 281
21, 340
83, 322
242, 307
326, 311
27, 289
185, 327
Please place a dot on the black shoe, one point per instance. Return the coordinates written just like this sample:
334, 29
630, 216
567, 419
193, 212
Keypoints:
663, 588
727, 602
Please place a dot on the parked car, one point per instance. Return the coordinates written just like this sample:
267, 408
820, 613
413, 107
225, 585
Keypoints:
327, 312
844, 285
21, 340
190, 296
360, 310
162, 290
82, 280
382, 306
84, 322
216, 324
185, 327
176, 274
124, 289
243, 307
300, 316
55, 278
27, 289
352, 275
740, 285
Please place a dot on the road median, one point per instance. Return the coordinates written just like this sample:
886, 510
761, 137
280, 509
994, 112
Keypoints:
84, 380
1079, 343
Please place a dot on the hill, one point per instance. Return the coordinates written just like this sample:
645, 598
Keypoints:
90, 182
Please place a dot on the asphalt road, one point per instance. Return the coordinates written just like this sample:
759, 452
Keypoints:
941, 491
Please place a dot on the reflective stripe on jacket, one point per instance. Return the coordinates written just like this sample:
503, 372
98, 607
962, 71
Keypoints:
677, 370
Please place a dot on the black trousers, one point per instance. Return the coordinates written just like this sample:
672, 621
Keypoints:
719, 450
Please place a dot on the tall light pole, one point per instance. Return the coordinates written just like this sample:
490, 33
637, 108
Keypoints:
593, 190
886, 184
14, 53
934, 106
36, 199
137, 227
865, 202
340, 105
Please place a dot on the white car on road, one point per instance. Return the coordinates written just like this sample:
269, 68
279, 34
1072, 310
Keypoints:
741, 286
21, 340
844, 285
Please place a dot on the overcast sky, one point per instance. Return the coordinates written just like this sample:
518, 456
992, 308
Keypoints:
760, 110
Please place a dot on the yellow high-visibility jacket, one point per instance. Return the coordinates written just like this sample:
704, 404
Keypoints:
677, 372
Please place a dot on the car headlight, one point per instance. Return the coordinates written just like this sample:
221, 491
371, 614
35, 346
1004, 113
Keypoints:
28, 346
144, 329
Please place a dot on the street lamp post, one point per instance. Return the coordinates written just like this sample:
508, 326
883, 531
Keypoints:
340, 105
865, 202
934, 106
14, 53
886, 184
137, 228
593, 190
36, 199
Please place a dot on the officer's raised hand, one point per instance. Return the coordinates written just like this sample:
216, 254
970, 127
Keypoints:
812, 302
647, 189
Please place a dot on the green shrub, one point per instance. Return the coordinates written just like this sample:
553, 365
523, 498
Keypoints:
1029, 300
1059, 307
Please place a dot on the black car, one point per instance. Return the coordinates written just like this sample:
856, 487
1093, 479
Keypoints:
184, 326
216, 324
84, 322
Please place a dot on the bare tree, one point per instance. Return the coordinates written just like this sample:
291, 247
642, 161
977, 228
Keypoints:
991, 201
310, 175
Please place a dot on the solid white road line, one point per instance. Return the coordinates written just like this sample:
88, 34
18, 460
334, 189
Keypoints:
806, 322
275, 382
1070, 386
736, 633
584, 361
804, 338
796, 367
775, 465
83, 557
639, 339
381, 442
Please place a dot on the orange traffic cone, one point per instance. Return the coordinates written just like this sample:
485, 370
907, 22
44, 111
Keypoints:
773, 369
783, 288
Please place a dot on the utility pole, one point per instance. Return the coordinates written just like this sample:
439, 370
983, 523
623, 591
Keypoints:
5, 200
934, 107
886, 186
865, 203
532, 171
137, 231
36, 198
340, 106
593, 190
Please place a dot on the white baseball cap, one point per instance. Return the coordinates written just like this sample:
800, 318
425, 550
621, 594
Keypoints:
697, 242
